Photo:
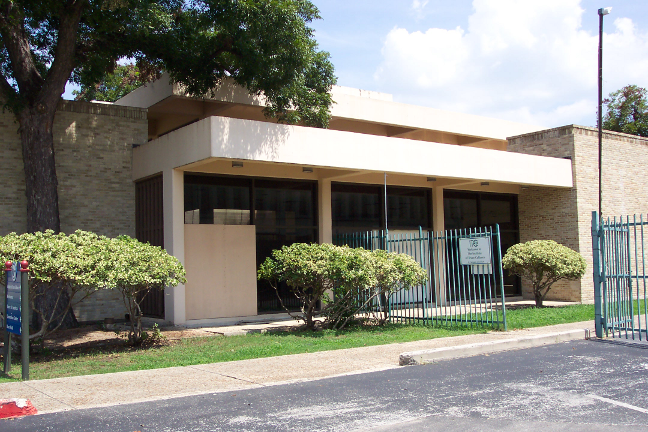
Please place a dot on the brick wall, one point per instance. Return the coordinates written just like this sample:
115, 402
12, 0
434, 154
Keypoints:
549, 213
93, 150
565, 215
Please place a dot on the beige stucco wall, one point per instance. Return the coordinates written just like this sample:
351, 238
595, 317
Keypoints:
565, 215
93, 148
221, 271
247, 140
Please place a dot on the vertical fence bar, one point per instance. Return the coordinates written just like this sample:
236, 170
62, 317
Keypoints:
501, 274
634, 238
643, 272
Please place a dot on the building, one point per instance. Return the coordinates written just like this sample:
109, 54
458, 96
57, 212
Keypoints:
219, 185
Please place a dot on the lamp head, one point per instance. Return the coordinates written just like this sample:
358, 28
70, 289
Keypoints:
604, 11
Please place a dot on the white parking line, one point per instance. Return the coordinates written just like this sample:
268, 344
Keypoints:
621, 404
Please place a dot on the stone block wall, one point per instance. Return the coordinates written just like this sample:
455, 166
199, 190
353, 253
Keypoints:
93, 150
565, 215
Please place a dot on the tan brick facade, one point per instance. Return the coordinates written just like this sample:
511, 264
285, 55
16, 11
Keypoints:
566, 215
93, 145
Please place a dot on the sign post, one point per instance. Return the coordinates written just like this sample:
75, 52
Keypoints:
17, 312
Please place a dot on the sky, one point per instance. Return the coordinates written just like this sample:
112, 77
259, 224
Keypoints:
530, 61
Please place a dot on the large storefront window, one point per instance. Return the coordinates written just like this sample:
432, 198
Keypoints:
283, 211
475, 209
362, 208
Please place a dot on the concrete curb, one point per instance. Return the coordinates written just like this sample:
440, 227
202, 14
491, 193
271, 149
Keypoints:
429, 356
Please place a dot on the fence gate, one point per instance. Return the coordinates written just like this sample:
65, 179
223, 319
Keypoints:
465, 279
620, 276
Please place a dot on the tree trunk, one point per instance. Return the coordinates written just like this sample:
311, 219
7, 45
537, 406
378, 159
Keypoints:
37, 138
46, 302
41, 183
538, 298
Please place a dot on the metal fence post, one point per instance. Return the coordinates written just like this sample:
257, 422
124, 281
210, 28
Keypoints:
596, 254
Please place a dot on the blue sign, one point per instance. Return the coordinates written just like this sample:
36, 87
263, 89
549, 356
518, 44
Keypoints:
13, 299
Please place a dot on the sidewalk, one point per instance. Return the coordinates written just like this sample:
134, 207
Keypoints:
61, 394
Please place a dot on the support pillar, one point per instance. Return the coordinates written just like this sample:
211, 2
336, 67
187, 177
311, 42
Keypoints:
325, 216
173, 189
438, 226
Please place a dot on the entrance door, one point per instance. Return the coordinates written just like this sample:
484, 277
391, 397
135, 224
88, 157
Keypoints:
149, 227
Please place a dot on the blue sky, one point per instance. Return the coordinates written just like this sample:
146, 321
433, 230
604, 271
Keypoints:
532, 61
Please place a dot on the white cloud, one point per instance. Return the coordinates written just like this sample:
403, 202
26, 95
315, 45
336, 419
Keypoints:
418, 6
527, 61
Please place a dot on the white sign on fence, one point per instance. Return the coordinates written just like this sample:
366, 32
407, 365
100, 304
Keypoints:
475, 251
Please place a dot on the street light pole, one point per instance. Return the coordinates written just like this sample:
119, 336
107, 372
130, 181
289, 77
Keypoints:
601, 12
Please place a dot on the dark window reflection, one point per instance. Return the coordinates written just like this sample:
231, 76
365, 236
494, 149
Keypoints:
213, 200
460, 213
362, 207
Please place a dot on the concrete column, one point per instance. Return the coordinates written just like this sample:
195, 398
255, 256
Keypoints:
173, 189
438, 226
325, 216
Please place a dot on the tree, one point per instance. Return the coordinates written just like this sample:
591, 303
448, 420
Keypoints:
115, 85
309, 270
134, 269
265, 46
543, 263
83, 263
627, 111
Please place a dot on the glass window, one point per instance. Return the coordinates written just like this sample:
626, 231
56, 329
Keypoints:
496, 212
214, 200
407, 208
362, 207
460, 212
356, 206
284, 204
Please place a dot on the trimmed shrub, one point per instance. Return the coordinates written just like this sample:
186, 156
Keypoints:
359, 279
543, 263
75, 266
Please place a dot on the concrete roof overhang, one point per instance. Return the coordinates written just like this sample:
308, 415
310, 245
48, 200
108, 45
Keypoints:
170, 107
221, 138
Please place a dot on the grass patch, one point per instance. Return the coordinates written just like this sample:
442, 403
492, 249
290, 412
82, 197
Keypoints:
193, 351
532, 317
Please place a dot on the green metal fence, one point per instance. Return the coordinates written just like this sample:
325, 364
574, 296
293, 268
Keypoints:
456, 292
620, 287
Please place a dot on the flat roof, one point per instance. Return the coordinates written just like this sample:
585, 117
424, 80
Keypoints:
354, 110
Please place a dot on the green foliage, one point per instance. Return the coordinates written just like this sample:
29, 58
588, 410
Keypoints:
543, 262
115, 85
134, 269
309, 270
357, 278
366, 281
84, 262
627, 111
67, 263
265, 46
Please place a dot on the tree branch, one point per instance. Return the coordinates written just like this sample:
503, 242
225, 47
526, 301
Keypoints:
12, 28
63, 63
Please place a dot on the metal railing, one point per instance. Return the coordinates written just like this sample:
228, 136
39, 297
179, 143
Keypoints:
620, 287
455, 293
